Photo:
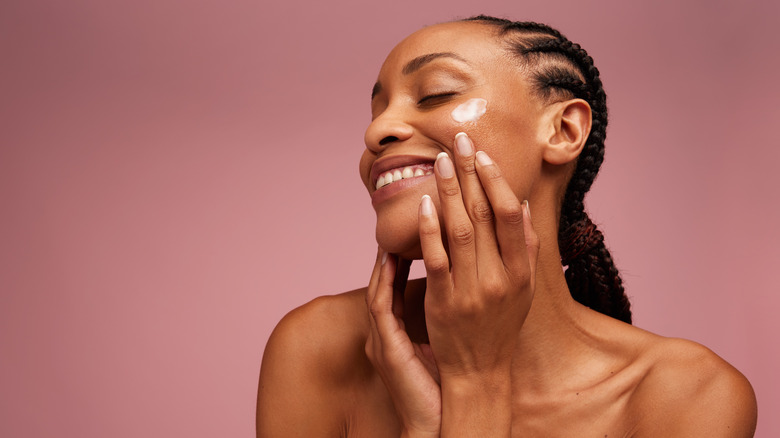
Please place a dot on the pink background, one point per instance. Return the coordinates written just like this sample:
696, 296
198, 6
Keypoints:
175, 176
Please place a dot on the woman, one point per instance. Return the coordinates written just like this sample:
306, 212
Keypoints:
476, 124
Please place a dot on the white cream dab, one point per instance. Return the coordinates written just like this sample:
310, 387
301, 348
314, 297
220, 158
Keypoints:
469, 111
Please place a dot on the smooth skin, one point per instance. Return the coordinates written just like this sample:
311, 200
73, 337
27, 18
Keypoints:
490, 344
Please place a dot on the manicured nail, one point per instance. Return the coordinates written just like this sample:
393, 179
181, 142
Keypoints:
483, 159
426, 205
463, 144
444, 164
527, 208
384, 258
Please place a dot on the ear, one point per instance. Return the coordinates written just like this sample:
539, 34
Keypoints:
568, 129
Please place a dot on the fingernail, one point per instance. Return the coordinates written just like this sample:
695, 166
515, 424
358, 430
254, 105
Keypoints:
444, 164
527, 208
463, 144
426, 206
483, 159
384, 258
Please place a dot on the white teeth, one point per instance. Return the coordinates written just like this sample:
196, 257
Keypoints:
399, 174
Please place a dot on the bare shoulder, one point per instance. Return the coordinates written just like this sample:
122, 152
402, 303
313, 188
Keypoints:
690, 391
311, 357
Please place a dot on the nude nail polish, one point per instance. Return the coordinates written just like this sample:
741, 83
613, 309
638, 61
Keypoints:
463, 144
444, 165
426, 205
483, 159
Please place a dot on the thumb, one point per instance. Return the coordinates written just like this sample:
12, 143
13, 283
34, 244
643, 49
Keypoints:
531, 238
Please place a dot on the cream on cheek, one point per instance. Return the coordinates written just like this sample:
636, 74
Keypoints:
470, 110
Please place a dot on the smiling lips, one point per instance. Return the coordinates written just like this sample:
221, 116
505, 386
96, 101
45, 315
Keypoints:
406, 172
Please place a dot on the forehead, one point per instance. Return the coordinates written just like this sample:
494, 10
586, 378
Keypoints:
477, 43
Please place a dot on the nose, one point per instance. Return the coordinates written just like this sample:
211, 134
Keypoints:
387, 128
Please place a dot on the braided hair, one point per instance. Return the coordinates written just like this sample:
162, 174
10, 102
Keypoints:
560, 69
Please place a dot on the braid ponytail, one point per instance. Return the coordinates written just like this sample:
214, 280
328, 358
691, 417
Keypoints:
561, 69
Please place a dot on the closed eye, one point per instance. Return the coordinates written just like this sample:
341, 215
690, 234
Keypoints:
435, 98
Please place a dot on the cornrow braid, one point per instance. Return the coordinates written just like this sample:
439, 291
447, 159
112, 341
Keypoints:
561, 69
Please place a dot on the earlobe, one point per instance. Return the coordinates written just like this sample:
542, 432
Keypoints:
570, 125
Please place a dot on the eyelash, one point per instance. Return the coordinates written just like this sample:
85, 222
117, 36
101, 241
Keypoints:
427, 99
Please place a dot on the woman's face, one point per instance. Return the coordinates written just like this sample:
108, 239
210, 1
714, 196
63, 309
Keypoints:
426, 77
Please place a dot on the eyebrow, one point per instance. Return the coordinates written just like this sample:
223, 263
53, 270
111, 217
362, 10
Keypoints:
418, 63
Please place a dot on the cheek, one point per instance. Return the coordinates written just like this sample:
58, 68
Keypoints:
469, 111
472, 117
483, 121
364, 167
508, 135
494, 125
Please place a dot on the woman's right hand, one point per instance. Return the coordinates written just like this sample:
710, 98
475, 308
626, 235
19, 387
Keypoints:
408, 370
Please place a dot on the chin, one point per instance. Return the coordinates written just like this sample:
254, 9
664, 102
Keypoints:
399, 238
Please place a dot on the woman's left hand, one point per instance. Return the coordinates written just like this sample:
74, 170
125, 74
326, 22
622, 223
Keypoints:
478, 292
406, 368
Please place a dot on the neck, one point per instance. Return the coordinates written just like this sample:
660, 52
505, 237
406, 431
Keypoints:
552, 341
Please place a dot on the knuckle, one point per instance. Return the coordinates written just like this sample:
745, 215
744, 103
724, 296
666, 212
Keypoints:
462, 234
450, 190
468, 167
493, 173
375, 309
495, 297
512, 213
429, 230
437, 264
522, 277
469, 308
492, 287
494, 291
482, 212
441, 314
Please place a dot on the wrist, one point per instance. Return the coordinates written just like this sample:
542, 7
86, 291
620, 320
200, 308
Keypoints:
417, 434
478, 405
495, 384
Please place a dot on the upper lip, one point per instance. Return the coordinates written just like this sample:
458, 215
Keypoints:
384, 164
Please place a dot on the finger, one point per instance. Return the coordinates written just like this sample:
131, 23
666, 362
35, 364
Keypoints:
437, 264
372, 341
381, 307
531, 240
372, 282
457, 225
508, 211
476, 202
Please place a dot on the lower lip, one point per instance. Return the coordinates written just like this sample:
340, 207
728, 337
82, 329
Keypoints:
386, 192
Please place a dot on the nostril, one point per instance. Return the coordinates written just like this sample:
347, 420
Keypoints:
388, 139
